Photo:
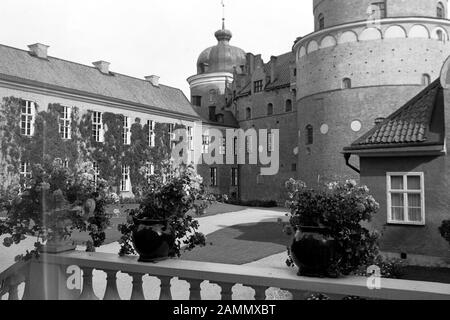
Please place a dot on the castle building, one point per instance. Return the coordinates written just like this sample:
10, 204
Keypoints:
364, 60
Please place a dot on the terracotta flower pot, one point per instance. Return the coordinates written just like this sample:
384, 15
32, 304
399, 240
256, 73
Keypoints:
313, 252
153, 240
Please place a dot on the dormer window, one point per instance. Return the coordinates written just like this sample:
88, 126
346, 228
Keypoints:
258, 86
426, 80
346, 83
379, 10
440, 11
321, 20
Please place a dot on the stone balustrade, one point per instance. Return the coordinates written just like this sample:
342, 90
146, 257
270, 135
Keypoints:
47, 279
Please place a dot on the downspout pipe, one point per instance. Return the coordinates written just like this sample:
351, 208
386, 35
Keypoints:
347, 162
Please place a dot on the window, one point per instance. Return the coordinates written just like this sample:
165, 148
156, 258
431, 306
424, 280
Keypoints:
213, 177
406, 198
294, 92
309, 135
295, 72
125, 183
440, 11
321, 20
248, 114
151, 133
258, 86
65, 122
270, 142
149, 170
346, 83
220, 118
190, 138
25, 170
197, 101
223, 147
212, 113
440, 35
426, 79
96, 171
294, 167
234, 177
27, 116
97, 126
379, 10
171, 131
126, 136
288, 105
235, 146
270, 109
205, 144
249, 144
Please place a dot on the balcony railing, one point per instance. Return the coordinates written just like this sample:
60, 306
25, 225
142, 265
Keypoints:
47, 279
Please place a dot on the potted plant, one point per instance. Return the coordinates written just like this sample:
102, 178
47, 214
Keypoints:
51, 204
164, 221
327, 222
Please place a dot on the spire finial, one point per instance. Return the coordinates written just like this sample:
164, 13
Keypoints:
223, 14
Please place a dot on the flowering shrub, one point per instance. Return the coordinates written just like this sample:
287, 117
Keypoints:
169, 197
340, 207
52, 203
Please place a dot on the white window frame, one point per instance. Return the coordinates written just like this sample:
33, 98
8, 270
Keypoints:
27, 118
126, 136
65, 123
25, 170
125, 182
190, 138
151, 133
206, 141
172, 131
97, 126
149, 170
405, 193
223, 147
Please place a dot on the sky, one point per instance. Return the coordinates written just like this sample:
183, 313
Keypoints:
145, 37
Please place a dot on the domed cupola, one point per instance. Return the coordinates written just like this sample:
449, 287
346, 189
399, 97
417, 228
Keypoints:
222, 57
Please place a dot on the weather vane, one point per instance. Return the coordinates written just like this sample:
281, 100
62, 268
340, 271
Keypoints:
223, 14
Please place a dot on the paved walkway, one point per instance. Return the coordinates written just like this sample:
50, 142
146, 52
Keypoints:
180, 289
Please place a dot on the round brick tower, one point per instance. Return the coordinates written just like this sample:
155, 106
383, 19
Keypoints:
364, 60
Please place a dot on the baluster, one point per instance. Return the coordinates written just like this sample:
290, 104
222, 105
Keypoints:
227, 290
88, 290
195, 289
137, 290
260, 292
165, 294
111, 292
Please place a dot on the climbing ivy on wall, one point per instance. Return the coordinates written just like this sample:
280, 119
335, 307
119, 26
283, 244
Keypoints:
110, 155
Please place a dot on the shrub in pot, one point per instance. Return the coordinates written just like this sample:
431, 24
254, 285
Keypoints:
52, 203
162, 224
330, 238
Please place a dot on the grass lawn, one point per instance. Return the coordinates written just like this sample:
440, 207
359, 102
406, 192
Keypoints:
242, 244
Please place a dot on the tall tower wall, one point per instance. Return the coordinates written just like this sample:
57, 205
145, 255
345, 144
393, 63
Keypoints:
353, 72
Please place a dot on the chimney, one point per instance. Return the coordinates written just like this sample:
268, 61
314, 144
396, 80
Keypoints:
379, 121
273, 62
38, 50
251, 63
102, 66
154, 80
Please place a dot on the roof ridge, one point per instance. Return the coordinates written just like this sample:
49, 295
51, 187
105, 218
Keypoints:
87, 66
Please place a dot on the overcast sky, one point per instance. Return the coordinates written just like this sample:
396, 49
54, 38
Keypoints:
144, 37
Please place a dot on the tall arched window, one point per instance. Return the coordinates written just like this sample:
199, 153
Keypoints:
288, 105
248, 113
426, 80
440, 11
346, 83
309, 134
321, 20
270, 109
